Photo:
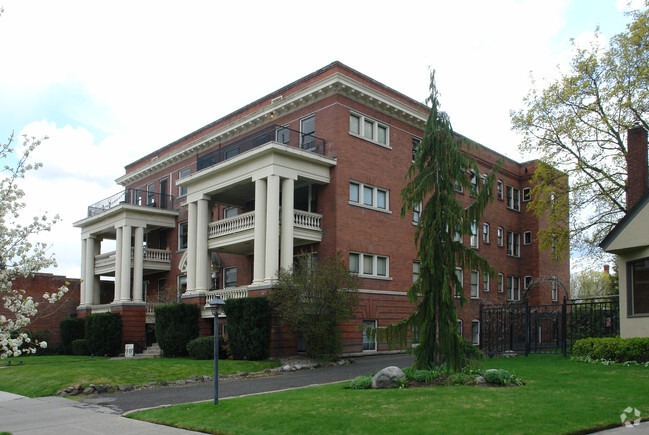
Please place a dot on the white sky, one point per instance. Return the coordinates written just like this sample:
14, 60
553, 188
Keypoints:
109, 82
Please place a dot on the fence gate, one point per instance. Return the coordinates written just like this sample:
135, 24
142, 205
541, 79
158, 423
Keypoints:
523, 328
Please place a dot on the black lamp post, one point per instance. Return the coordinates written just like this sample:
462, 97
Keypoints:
216, 305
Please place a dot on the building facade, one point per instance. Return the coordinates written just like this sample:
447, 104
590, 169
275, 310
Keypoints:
313, 168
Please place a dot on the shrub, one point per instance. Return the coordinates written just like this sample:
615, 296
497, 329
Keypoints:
104, 333
499, 377
426, 376
202, 348
71, 329
460, 379
80, 346
175, 326
409, 372
361, 383
248, 328
614, 349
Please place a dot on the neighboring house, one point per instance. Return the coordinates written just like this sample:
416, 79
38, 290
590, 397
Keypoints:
313, 168
630, 241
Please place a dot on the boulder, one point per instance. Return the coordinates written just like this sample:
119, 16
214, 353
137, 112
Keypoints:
388, 378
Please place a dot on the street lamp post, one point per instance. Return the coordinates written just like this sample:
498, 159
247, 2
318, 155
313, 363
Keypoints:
216, 305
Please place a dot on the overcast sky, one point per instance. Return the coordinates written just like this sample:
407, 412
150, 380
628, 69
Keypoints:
109, 82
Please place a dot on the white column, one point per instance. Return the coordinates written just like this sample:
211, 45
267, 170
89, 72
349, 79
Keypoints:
90, 269
138, 264
118, 263
93, 296
82, 294
272, 228
260, 231
202, 269
125, 287
286, 241
191, 246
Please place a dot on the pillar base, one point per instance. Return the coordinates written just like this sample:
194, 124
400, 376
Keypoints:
133, 323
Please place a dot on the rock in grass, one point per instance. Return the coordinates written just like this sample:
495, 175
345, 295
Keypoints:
388, 378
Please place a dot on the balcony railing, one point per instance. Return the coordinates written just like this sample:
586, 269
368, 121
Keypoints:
157, 255
308, 220
246, 221
133, 197
272, 133
226, 293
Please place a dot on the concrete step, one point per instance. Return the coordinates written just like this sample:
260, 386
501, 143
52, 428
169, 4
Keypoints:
152, 351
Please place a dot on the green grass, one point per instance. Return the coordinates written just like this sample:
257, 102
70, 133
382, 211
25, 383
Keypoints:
46, 375
561, 396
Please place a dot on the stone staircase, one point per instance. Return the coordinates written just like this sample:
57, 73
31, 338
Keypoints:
152, 351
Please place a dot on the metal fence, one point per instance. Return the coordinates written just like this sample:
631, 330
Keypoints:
133, 197
524, 328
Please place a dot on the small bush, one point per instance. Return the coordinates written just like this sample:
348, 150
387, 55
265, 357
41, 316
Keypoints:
202, 348
427, 376
248, 328
71, 329
80, 347
460, 379
613, 349
409, 372
361, 383
175, 326
498, 377
104, 333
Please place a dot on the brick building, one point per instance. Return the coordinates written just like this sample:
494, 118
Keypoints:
323, 159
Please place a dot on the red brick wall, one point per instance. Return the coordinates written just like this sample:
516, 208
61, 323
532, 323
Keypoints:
637, 169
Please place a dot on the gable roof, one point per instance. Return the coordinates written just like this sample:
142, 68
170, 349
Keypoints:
637, 212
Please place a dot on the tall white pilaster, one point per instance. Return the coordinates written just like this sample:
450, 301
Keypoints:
90, 269
138, 264
272, 228
118, 263
125, 288
82, 294
202, 269
191, 246
260, 231
286, 241
94, 296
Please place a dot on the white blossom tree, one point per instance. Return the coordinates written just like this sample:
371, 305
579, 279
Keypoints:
19, 254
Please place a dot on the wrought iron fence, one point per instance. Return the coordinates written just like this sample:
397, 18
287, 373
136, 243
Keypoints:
524, 328
133, 197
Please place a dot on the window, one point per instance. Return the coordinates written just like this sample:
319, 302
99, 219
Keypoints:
415, 270
474, 234
474, 183
415, 146
369, 341
369, 265
229, 212
513, 288
182, 284
485, 232
499, 189
230, 152
283, 135
373, 197
459, 327
458, 187
527, 238
638, 287
554, 248
150, 194
230, 277
555, 291
162, 239
485, 282
475, 279
182, 235
164, 192
527, 282
499, 235
475, 332
416, 213
457, 237
513, 198
184, 172
459, 287
372, 130
500, 283
307, 130
513, 244
527, 194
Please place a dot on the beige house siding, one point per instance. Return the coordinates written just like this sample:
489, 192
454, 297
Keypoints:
636, 326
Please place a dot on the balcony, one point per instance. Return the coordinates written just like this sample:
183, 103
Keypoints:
133, 197
272, 133
154, 260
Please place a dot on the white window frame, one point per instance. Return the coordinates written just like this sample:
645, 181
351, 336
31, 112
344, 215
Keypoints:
375, 259
415, 146
416, 270
181, 280
460, 276
229, 212
459, 327
485, 232
474, 239
310, 134
225, 274
475, 335
416, 213
500, 189
527, 194
183, 173
475, 284
527, 235
180, 235
485, 282
375, 196
513, 198
475, 185
513, 291
500, 235
371, 323
555, 291
513, 244
527, 281
501, 283
365, 122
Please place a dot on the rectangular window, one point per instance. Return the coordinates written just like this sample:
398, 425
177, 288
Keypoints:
164, 193
527, 238
230, 152
415, 146
527, 282
474, 183
457, 236
458, 187
513, 198
527, 194
499, 189
459, 289
307, 133
373, 197
501, 288
555, 291
230, 277
150, 194
182, 235
513, 244
416, 213
283, 135
184, 172
474, 235
229, 212
485, 232
513, 288
459, 327
369, 265
415, 270
485, 282
500, 236
369, 342
475, 279
182, 284
638, 287
371, 130
475, 332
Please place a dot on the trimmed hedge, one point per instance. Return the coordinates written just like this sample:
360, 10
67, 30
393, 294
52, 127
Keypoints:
175, 326
80, 347
614, 349
71, 329
248, 328
201, 348
104, 333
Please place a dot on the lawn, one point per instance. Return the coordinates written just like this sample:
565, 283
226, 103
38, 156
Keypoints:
561, 396
46, 375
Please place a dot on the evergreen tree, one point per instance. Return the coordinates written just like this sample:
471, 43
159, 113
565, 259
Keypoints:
439, 167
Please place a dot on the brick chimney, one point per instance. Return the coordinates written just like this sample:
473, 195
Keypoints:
606, 269
637, 182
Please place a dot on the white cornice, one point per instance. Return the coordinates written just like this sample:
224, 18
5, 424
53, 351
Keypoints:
336, 83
